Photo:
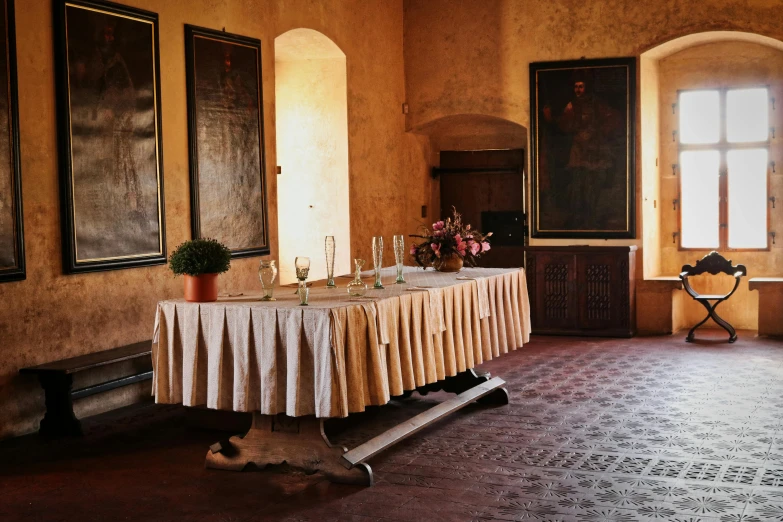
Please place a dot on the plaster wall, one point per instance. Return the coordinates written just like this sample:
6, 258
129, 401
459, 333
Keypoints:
713, 65
312, 149
472, 56
51, 316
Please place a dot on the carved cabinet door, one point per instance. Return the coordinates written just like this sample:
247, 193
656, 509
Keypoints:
556, 299
600, 283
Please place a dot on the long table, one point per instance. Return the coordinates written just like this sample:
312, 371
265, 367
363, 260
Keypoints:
293, 366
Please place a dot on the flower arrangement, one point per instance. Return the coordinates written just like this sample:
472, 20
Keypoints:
449, 238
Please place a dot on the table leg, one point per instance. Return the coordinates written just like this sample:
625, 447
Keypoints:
298, 441
463, 382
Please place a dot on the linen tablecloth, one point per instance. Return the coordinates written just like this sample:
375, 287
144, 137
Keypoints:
337, 355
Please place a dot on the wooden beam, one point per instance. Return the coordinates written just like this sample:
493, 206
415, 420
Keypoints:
402, 431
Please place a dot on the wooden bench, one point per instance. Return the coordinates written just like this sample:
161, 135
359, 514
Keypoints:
56, 378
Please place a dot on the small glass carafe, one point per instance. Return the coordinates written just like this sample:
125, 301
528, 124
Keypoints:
357, 287
267, 273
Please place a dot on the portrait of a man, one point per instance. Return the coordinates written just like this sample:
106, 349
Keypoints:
582, 150
226, 136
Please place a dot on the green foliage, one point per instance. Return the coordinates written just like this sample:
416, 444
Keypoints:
200, 256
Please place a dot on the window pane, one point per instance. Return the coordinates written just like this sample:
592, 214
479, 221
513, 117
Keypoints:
747, 115
699, 117
700, 199
747, 198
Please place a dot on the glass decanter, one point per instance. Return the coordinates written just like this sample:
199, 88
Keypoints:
267, 273
302, 271
399, 257
330, 249
357, 287
377, 260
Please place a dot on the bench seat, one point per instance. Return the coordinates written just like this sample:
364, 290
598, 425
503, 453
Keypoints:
770, 291
56, 378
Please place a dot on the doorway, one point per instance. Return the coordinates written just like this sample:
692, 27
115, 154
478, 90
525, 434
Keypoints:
487, 188
311, 111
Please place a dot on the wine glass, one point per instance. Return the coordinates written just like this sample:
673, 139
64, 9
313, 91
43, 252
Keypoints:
399, 257
377, 260
302, 271
330, 249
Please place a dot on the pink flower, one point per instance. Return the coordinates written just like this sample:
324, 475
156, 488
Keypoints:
461, 249
484, 246
414, 249
438, 226
474, 247
438, 233
435, 248
458, 238
467, 227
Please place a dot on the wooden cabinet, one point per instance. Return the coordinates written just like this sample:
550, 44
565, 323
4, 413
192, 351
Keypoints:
582, 290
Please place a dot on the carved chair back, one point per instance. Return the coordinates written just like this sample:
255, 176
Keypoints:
713, 263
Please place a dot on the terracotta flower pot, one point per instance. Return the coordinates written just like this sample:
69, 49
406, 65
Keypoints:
451, 263
201, 289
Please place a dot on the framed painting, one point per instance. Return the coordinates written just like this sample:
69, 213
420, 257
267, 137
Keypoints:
582, 116
226, 140
12, 267
111, 151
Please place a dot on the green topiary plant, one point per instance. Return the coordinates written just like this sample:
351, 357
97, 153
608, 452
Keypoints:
200, 256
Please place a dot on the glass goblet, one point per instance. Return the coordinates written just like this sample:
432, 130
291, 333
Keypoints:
302, 271
377, 260
399, 257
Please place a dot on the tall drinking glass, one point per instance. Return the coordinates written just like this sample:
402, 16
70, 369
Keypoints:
377, 259
330, 248
399, 257
302, 271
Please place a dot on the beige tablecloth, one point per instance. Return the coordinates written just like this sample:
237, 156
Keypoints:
337, 355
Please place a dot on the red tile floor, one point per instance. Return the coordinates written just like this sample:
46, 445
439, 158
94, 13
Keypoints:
597, 430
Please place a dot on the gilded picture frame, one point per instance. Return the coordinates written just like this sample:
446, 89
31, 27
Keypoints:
109, 136
226, 140
583, 116
12, 256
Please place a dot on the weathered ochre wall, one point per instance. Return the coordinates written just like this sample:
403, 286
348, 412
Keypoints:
473, 57
312, 149
50, 316
714, 65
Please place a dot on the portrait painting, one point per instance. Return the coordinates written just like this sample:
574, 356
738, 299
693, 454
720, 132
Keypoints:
582, 123
12, 262
228, 192
110, 139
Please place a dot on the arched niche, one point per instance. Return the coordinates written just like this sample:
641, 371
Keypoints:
311, 115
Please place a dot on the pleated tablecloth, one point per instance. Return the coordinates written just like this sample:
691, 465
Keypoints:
337, 355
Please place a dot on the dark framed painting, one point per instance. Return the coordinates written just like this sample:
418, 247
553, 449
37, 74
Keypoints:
226, 140
582, 117
109, 134
12, 266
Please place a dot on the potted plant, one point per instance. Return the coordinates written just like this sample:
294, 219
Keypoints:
200, 261
449, 245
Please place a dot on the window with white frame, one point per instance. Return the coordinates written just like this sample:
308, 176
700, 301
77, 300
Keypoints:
724, 159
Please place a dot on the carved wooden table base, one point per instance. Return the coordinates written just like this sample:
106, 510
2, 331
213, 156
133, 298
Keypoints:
298, 441
301, 442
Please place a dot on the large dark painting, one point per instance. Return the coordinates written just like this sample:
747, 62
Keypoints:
12, 266
111, 162
582, 120
226, 137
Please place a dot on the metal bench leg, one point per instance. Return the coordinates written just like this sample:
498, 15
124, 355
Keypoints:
59, 420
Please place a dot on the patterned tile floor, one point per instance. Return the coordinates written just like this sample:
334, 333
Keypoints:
597, 430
